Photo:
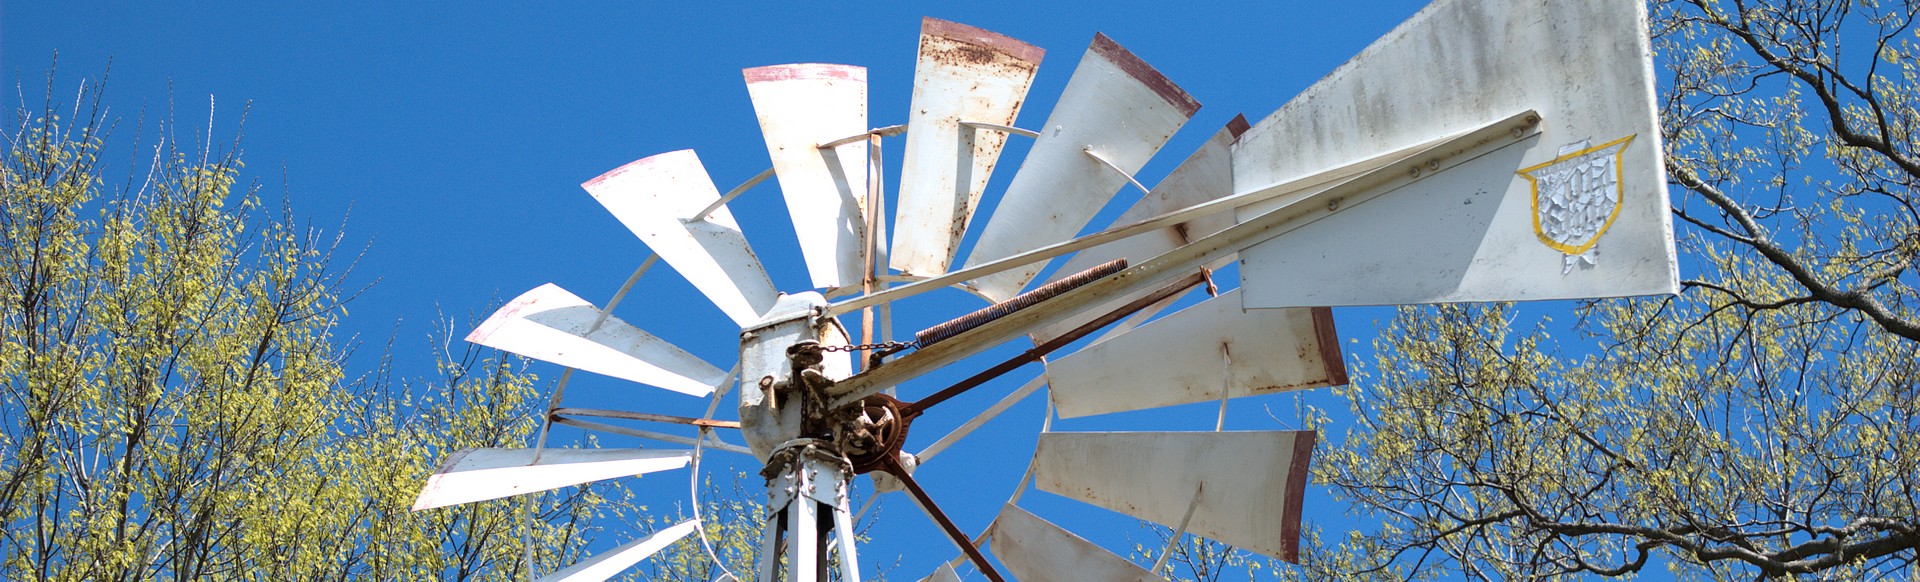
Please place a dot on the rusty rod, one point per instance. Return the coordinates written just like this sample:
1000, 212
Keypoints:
936, 334
871, 251
1040, 351
953, 531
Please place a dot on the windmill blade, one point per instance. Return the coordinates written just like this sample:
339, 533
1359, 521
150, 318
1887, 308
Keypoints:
1035, 549
964, 74
482, 474
944, 574
552, 325
1115, 107
1200, 354
800, 107
617, 560
657, 198
1578, 211
1205, 176
1249, 484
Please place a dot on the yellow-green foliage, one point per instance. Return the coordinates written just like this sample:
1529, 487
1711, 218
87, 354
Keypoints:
175, 406
1763, 424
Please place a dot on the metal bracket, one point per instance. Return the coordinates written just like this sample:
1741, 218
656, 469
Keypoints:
978, 125
1104, 162
888, 131
805, 477
707, 212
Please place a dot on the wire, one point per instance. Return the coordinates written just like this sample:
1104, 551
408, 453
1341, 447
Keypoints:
526, 534
693, 485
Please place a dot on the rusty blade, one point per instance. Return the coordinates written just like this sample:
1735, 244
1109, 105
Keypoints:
659, 198
481, 474
801, 107
1036, 549
1115, 107
617, 560
964, 74
1196, 355
551, 325
1205, 176
1254, 481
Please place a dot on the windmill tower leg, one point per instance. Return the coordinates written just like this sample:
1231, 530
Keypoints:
807, 484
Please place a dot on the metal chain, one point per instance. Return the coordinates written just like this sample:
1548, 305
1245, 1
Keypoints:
888, 347
880, 350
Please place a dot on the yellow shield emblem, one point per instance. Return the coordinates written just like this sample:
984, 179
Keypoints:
1576, 196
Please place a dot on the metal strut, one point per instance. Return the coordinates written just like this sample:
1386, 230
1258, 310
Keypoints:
807, 480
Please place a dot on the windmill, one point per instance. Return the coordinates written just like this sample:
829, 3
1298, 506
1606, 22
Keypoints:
1529, 170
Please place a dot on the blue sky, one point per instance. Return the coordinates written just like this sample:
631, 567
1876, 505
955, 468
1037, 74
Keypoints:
451, 139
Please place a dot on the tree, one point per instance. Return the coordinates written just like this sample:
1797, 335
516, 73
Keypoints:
731, 520
1765, 423
173, 404
1194, 559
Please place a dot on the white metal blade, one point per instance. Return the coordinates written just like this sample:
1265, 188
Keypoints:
657, 199
964, 74
800, 107
482, 474
1114, 105
1251, 483
1476, 232
1194, 354
617, 560
552, 325
1035, 549
1205, 176
944, 574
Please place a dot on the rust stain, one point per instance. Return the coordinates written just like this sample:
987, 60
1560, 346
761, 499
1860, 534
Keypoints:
1144, 73
1238, 126
1329, 340
987, 39
805, 72
1296, 495
963, 54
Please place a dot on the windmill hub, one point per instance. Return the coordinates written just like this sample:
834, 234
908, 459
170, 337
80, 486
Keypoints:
868, 433
784, 359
